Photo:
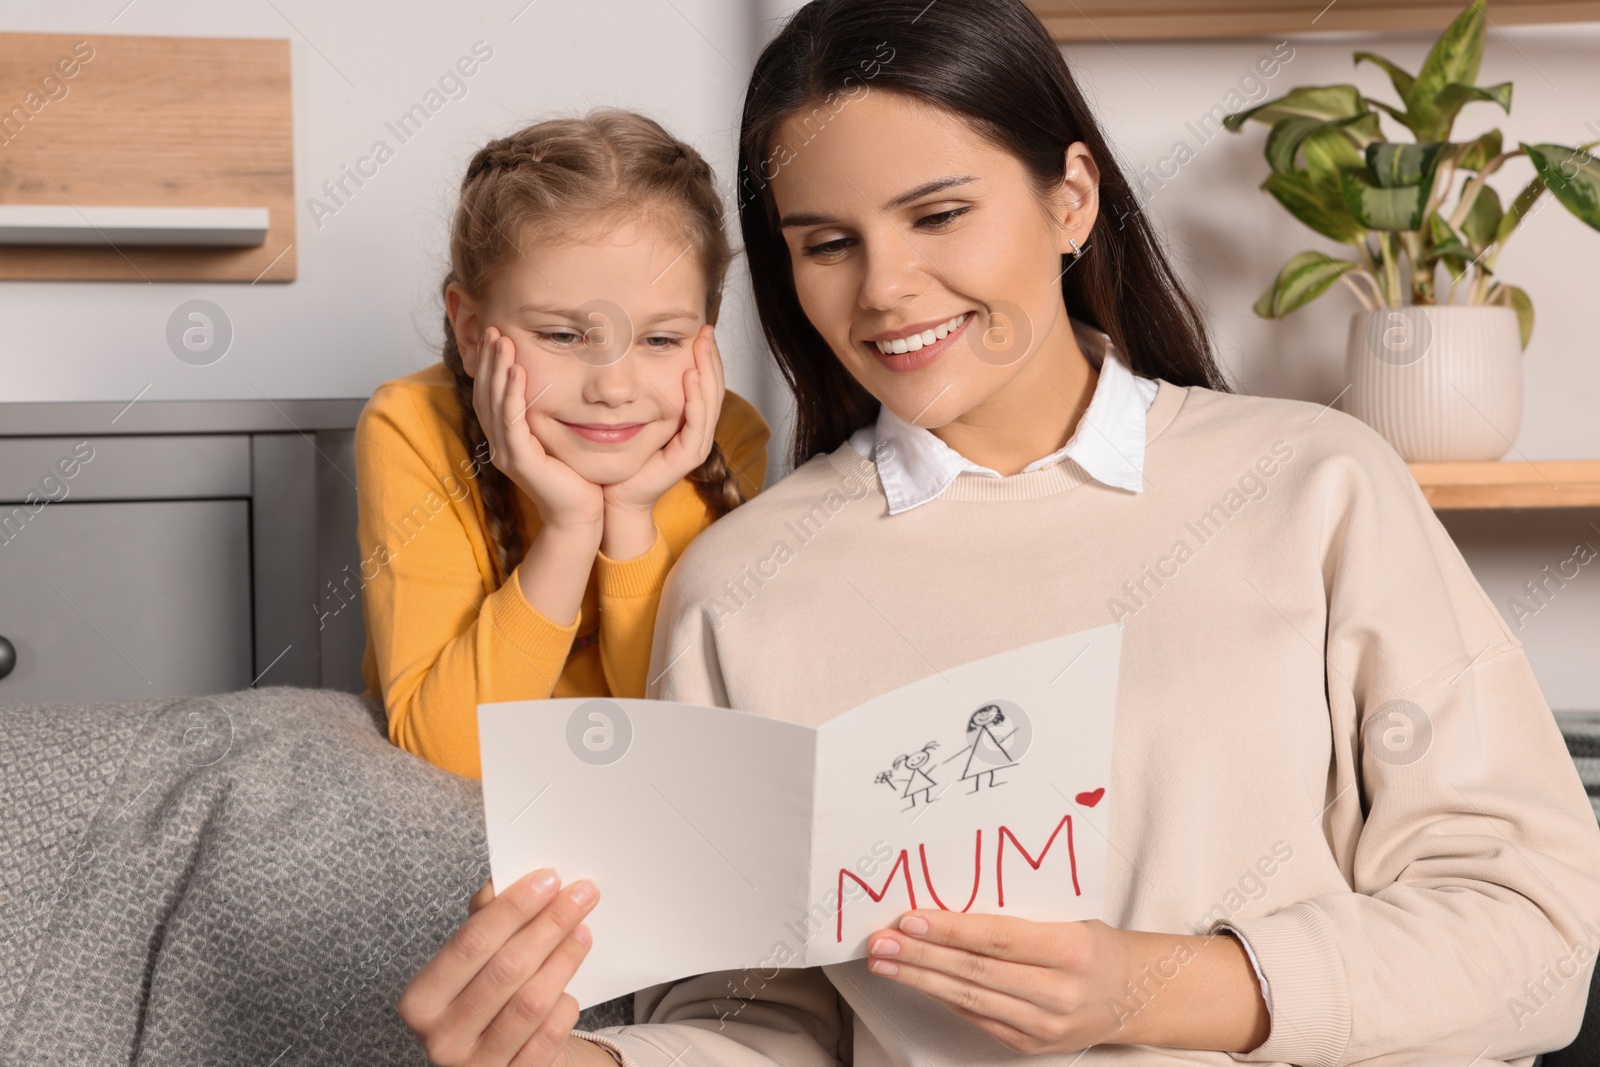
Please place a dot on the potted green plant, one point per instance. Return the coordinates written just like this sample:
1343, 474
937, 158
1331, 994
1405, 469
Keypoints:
1438, 374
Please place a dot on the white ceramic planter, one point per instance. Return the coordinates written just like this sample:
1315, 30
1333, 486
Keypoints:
1439, 383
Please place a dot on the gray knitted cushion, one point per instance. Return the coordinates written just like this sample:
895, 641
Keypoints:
250, 877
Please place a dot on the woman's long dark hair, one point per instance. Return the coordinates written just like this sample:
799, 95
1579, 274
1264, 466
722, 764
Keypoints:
992, 62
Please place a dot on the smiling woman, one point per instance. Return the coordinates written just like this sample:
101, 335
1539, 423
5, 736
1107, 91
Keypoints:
1007, 84
890, 267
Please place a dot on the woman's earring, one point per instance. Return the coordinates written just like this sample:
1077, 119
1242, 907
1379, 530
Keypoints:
1076, 251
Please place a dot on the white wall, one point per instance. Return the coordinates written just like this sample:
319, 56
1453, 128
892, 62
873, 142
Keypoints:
365, 308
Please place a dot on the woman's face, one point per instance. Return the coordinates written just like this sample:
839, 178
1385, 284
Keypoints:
604, 327
907, 231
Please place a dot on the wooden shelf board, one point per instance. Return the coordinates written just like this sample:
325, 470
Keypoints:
1546, 483
173, 122
1130, 20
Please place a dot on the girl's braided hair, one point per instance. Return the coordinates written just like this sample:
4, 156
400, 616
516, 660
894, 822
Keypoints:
549, 180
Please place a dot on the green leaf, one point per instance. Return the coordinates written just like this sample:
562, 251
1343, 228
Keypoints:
1362, 129
1395, 165
1447, 245
1476, 154
1573, 177
1303, 279
1318, 207
1319, 102
1520, 208
1450, 247
1400, 79
1453, 97
1380, 207
1327, 151
1483, 219
1512, 297
1283, 143
1453, 60
1456, 264
1395, 113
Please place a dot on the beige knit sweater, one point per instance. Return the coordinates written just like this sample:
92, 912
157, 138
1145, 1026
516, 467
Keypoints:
1326, 736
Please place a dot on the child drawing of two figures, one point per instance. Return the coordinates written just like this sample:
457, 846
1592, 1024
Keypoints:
986, 753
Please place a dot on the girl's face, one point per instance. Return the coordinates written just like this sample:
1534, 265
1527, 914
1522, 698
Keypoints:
604, 327
908, 231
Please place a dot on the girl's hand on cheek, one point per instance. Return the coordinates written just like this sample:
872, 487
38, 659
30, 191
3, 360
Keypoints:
500, 398
689, 447
1036, 987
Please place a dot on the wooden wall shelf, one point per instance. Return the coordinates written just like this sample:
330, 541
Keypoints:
1129, 20
1546, 483
150, 122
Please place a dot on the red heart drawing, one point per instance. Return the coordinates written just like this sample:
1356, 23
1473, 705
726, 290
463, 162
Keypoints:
1089, 800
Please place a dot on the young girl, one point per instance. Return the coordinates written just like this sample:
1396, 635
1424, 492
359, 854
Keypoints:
522, 500
1344, 827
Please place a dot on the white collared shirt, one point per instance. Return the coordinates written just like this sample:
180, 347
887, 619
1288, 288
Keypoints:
1108, 443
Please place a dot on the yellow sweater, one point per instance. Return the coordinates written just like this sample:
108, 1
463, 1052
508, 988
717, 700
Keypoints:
443, 633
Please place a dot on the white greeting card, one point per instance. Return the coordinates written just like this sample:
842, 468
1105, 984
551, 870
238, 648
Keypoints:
722, 839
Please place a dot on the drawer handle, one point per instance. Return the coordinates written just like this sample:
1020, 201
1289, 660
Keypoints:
8, 657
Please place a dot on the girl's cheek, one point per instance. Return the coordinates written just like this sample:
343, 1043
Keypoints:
668, 387
546, 382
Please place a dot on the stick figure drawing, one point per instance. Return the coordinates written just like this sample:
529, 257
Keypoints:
916, 780
986, 749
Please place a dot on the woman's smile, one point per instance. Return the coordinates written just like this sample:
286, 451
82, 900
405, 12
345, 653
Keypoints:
914, 347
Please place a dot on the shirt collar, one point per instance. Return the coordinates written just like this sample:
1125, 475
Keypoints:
915, 466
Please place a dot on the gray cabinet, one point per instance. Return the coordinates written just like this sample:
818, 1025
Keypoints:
171, 548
